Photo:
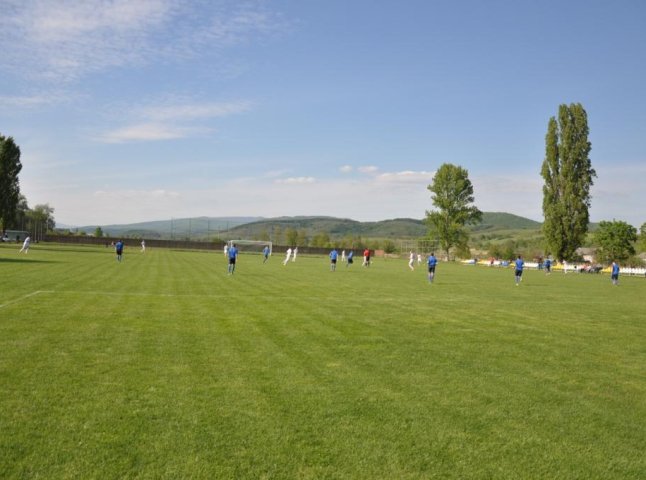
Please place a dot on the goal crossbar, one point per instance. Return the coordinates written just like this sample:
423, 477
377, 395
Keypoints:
251, 245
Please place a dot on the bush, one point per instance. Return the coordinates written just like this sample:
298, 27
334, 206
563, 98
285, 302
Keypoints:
389, 246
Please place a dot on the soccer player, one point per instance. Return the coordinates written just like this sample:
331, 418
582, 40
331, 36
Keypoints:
333, 256
411, 261
233, 256
366, 257
519, 264
118, 248
143, 246
432, 262
226, 250
548, 266
350, 260
25, 245
614, 275
287, 255
265, 253
343, 255
294, 253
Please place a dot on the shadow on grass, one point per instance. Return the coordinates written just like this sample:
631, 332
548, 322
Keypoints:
191, 250
90, 249
25, 260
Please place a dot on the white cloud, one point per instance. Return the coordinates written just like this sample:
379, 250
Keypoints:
368, 169
166, 120
31, 101
295, 180
65, 41
346, 169
75, 38
193, 111
406, 177
148, 132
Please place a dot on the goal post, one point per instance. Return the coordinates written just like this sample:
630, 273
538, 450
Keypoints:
251, 246
422, 246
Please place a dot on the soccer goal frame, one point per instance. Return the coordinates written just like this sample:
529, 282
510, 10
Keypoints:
418, 246
255, 246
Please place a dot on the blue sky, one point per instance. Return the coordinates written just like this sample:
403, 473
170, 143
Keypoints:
130, 111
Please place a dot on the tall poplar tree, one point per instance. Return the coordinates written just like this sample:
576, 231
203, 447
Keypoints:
568, 175
10, 167
453, 196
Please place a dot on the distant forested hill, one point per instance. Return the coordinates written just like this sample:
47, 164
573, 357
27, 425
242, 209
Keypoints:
179, 228
334, 227
395, 228
227, 228
505, 221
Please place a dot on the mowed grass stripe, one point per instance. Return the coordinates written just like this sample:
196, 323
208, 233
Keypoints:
182, 371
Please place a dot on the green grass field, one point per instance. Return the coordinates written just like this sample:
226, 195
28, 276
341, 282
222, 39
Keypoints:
165, 367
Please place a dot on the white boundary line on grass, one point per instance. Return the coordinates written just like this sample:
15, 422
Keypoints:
32, 294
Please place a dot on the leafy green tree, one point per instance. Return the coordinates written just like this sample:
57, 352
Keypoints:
263, 235
509, 250
277, 235
42, 218
22, 220
496, 251
98, 232
10, 167
301, 239
291, 234
463, 252
452, 195
389, 246
615, 241
321, 239
642, 238
568, 176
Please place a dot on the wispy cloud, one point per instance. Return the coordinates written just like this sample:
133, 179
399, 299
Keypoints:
68, 40
295, 180
31, 101
166, 120
346, 169
406, 177
368, 169
148, 132
193, 111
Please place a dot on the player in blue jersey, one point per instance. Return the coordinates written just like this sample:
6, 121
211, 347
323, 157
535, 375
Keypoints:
265, 253
233, 256
333, 256
118, 247
349, 258
432, 262
548, 266
519, 265
614, 275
